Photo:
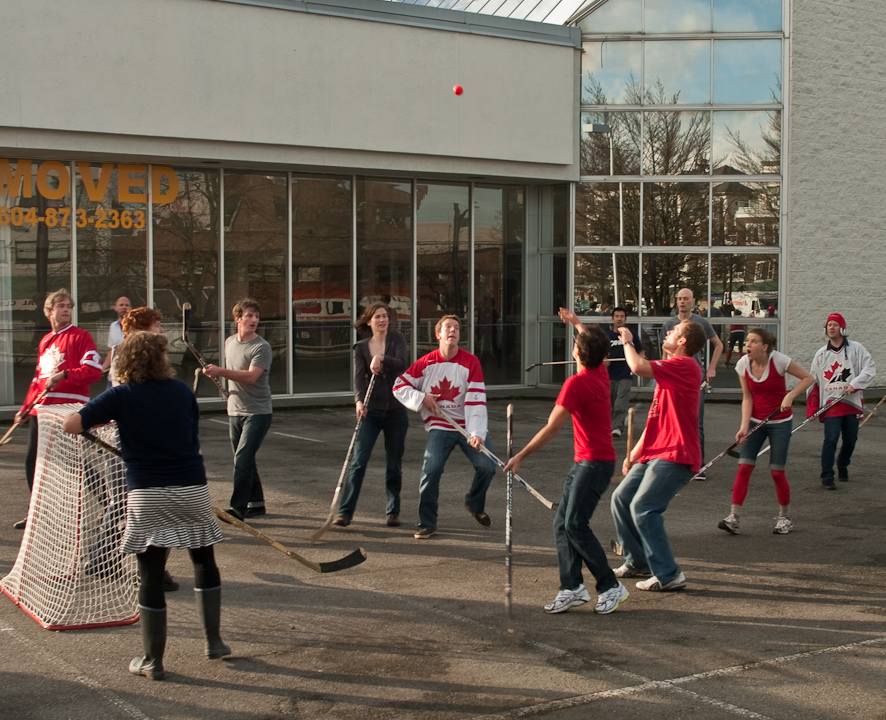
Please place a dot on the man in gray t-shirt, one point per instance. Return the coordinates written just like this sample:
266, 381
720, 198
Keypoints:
248, 362
685, 300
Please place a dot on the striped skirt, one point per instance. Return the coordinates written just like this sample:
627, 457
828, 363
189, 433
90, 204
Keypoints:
172, 517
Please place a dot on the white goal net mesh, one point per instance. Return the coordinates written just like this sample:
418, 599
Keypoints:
69, 572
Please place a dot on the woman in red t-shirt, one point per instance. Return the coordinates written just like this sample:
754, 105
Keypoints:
761, 372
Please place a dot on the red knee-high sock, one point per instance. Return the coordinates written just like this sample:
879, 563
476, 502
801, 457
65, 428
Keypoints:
782, 489
742, 480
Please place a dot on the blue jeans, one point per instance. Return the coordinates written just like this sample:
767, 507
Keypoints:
247, 433
440, 445
833, 428
779, 435
585, 485
637, 507
393, 423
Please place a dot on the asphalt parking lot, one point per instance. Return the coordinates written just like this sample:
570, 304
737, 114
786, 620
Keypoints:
769, 627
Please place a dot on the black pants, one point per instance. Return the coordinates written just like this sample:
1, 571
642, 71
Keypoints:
152, 563
31, 454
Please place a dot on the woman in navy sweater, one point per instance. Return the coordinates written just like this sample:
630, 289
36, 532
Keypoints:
168, 502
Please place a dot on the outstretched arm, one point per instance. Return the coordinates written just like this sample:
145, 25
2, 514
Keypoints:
638, 365
559, 416
570, 318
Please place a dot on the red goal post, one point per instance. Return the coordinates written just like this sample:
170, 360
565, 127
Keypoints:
69, 573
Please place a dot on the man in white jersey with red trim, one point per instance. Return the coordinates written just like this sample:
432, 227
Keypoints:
67, 364
839, 367
449, 378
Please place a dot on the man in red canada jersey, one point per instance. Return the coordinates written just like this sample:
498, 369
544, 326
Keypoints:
67, 364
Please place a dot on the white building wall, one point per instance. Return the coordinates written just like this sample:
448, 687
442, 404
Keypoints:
836, 252
175, 80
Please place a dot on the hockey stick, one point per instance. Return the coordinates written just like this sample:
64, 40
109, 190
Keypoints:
186, 317
630, 436
27, 411
348, 561
566, 362
509, 475
872, 411
488, 453
738, 442
336, 496
735, 453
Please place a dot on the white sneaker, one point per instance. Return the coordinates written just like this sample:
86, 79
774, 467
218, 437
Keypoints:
616, 433
567, 599
611, 599
653, 584
729, 524
783, 526
628, 571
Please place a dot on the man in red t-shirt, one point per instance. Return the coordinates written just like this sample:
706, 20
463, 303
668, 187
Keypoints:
585, 396
665, 458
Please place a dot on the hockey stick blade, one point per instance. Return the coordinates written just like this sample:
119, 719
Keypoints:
348, 561
616, 548
488, 453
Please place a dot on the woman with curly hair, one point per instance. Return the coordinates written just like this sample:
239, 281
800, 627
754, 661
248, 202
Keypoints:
168, 502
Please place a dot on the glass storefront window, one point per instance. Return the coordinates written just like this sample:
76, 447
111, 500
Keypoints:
604, 281
255, 216
623, 16
610, 73
499, 226
112, 245
747, 15
384, 247
677, 72
36, 217
554, 213
677, 143
186, 235
748, 284
678, 16
675, 213
625, 131
443, 228
552, 288
747, 71
747, 141
321, 284
555, 345
607, 214
746, 213
665, 274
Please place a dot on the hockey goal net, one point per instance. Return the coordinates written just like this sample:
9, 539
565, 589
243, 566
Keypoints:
69, 573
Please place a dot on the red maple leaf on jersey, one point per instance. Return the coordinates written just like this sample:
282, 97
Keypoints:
445, 391
829, 374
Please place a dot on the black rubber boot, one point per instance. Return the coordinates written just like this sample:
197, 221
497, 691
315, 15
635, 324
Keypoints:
153, 624
209, 610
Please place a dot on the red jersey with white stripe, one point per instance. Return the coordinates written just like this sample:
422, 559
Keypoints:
769, 390
459, 385
70, 349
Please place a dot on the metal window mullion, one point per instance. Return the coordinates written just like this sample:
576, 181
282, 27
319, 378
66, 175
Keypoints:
353, 274
471, 268
290, 334
74, 269
413, 350
221, 267
150, 249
